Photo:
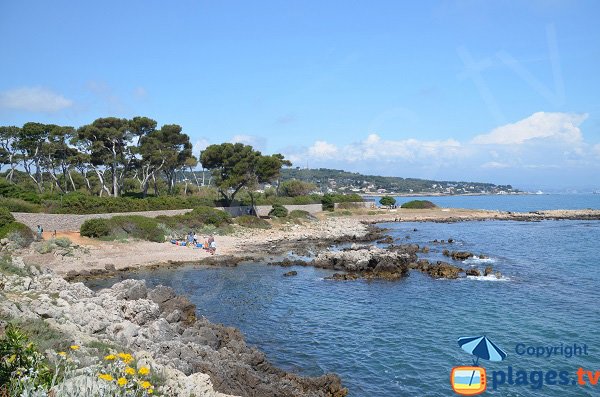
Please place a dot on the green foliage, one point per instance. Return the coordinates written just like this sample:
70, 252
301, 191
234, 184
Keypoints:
51, 245
300, 214
19, 357
210, 216
5, 217
79, 203
7, 267
18, 233
278, 211
95, 228
137, 226
12, 190
327, 202
252, 222
235, 165
19, 205
387, 201
419, 204
295, 188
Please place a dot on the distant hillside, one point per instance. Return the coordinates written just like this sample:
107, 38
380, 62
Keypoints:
328, 180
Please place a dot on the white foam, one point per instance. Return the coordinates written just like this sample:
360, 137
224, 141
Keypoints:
488, 278
474, 260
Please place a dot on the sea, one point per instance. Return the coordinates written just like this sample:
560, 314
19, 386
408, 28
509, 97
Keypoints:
400, 338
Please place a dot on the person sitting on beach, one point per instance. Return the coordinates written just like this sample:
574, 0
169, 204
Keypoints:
196, 238
190, 239
212, 246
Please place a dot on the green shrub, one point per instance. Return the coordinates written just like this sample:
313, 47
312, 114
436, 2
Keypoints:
387, 201
278, 211
62, 242
19, 205
18, 354
51, 245
137, 226
252, 222
11, 190
80, 203
300, 214
5, 217
17, 233
419, 204
327, 202
210, 216
95, 228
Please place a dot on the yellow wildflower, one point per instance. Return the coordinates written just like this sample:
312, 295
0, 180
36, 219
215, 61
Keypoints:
62, 354
106, 377
122, 382
144, 371
74, 347
146, 385
126, 357
110, 357
150, 391
129, 371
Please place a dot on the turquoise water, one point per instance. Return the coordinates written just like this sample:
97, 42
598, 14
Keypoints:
517, 203
400, 338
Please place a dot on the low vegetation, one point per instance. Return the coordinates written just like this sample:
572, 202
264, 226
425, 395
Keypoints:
26, 371
418, 204
252, 222
156, 229
278, 211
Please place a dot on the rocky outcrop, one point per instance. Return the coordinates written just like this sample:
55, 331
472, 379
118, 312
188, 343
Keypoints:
472, 272
460, 255
207, 359
290, 273
438, 270
367, 263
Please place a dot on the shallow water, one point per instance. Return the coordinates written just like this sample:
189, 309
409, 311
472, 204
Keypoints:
400, 338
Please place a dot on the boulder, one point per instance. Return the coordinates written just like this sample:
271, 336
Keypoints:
129, 290
443, 270
289, 274
461, 255
472, 272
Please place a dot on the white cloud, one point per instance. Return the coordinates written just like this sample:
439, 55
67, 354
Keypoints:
494, 164
257, 142
34, 99
541, 125
322, 150
596, 149
375, 148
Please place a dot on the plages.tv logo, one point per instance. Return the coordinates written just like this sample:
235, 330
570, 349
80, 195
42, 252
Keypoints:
472, 380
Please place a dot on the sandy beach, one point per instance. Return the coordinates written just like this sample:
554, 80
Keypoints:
99, 256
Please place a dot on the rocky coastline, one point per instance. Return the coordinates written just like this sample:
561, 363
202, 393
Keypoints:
195, 357
205, 359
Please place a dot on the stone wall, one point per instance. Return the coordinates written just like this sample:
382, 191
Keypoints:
72, 222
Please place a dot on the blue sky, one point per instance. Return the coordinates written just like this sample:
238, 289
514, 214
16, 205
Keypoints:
502, 91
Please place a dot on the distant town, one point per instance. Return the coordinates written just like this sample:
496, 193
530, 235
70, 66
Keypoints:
339, 181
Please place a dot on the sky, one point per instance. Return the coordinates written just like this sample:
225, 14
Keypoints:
504, 92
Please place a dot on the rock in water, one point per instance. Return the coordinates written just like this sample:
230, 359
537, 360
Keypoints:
472, 272
461, 255
289, 274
